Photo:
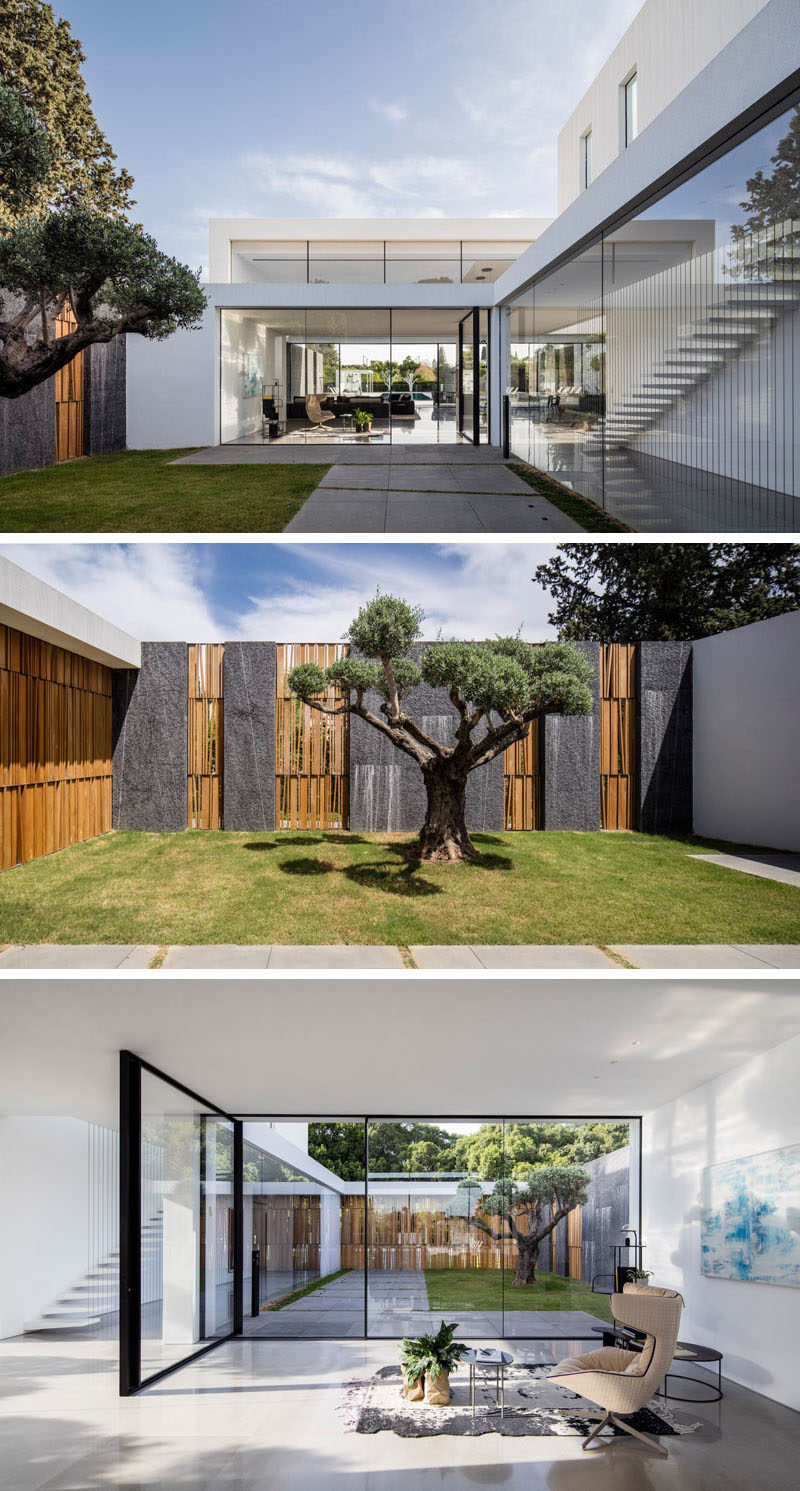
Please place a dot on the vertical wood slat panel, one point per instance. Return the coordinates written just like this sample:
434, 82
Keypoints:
404, 1237
524, 780
55, 748
312, 750
205, 705
618, 727
69, 397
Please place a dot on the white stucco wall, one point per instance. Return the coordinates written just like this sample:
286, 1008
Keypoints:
171, 389
746, 734
44, 1242
667, 44
749, 1110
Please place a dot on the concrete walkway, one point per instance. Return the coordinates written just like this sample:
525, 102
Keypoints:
782, 867
383, 957
397, 1305
404, 489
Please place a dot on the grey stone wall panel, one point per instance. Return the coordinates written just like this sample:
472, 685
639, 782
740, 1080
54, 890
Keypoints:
665, 737
249, 736
150, 751
572, 761
28, 430
105, 397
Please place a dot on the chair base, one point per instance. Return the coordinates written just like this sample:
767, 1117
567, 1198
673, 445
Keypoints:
618, 1423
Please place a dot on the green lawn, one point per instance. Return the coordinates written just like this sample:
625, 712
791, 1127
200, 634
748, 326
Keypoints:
572, 504
489, 1289
138, 491
287, 887
289, 1299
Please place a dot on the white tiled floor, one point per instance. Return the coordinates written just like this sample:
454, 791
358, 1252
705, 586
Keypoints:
270, 1416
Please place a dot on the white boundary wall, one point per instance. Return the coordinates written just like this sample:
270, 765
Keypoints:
44, 1241
746, 737
747, 1111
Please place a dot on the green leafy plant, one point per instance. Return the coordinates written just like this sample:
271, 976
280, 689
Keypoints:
429, 1355
641, 1275
361, 419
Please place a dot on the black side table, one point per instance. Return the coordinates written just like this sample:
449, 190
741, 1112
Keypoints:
688, 1351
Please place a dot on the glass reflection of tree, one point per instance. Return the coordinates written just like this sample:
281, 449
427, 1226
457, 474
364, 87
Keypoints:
772, 224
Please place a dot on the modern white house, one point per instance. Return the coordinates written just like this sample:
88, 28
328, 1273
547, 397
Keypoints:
640, 348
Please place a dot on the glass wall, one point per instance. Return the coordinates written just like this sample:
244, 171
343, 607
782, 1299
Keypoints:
186, 1210
365, 376
399, 261
673, 345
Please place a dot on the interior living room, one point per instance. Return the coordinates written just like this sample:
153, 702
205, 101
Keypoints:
237, 1240
362, 376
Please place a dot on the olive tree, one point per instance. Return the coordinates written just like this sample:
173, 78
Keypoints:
497, 688
523, 1211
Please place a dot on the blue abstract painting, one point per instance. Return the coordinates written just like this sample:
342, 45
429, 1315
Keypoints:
750, 1219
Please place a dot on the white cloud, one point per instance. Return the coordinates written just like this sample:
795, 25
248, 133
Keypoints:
161, 592
393, 113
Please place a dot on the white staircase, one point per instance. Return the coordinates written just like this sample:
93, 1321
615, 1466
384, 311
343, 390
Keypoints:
96, 1293
731, 323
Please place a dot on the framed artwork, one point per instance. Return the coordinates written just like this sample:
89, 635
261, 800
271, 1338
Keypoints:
750, 1219
251, 376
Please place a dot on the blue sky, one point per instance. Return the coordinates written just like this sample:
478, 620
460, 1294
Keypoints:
263, 107
294, 592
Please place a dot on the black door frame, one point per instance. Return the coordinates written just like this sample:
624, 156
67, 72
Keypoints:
473, 334
130, 1225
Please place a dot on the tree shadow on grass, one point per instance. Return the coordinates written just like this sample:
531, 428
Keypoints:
388, 878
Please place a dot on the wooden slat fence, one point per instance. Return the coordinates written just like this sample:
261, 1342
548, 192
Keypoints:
55, 748
523, 765
405, 1237
69, 389
618, 720
205, 735
312, 751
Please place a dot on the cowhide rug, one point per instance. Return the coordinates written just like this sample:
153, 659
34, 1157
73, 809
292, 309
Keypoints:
533, 1406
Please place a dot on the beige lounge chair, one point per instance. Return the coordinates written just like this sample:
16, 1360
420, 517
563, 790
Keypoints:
621, 1381
316, 415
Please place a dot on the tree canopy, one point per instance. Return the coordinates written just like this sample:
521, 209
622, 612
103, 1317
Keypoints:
772, 202
524, 1211
42, 61
492, 1152
667, 592
495, 688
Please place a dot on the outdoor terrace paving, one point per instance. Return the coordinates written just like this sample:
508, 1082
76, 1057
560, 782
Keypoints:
397, 1305
405, 489
464, 958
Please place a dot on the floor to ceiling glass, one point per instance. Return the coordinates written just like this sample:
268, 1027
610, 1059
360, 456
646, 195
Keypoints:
362, 376
658, 369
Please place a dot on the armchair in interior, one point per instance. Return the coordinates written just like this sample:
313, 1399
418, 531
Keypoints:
316, 415
621, 1381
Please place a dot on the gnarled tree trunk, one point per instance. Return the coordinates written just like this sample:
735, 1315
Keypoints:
527, 1259
444, 833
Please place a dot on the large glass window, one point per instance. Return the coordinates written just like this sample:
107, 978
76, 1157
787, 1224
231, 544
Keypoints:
630, 121
674, 347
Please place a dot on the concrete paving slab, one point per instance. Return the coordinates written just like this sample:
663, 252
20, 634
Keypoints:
364, 476
421, 478
488, 479
336, 956
220, 955
345, 510
782, 867
83, 955
543, 956
774, 954
430, 512
691, 955
444, 957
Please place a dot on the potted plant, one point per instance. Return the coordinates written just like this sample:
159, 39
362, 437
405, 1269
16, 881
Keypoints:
362, 421
639, 1275
427, 1362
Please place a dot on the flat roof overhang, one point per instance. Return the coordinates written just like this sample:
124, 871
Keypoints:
32, 606
305, 1048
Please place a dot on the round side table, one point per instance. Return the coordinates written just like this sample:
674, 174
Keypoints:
488, 1359
688, 1351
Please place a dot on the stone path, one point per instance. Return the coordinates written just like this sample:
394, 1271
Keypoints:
405, 489
397, 1305
614, 958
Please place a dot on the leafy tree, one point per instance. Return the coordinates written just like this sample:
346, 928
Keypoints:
25, 152
496, 1151
41, 60
340, 1146
114, 277
497, 689
773, 201
384, 370
407, 372
541, 1200
667, 592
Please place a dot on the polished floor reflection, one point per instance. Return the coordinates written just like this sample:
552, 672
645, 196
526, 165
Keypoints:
257, 1416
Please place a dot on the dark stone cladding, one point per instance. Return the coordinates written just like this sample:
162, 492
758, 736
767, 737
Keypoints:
665, 737
387, 792
248, 725
28, 430
604, 1214
150, 762
572, 761
104, 415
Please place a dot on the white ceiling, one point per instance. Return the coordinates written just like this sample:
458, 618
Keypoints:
387, 1046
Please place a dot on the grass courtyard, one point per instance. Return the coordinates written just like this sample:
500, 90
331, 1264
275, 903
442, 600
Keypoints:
300, 887
139, 491
491, 1289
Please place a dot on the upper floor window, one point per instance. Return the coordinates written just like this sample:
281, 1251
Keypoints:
630, 111
586, 160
